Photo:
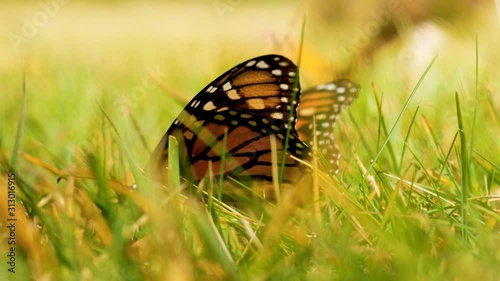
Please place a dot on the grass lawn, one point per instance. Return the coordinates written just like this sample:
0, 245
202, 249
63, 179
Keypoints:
89, 88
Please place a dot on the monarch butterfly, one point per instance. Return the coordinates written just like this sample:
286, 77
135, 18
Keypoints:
245, 107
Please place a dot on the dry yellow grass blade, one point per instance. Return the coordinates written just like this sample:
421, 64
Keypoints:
115, 185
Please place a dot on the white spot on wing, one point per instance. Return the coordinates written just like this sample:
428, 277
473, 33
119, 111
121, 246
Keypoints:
226, 87
330, 87
277, 72
262, 65
209, 106
250, 63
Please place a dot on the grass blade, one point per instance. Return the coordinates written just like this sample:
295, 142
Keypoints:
465, 171
399, 117
20, 126
407, 138
135, 171
222, 166
174, 180
295, 92
382, 127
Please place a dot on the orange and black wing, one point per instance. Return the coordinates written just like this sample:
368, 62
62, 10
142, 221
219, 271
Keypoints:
250, 103
324, 102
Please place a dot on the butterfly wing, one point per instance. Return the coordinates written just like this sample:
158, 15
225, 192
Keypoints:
249, 103
324, 102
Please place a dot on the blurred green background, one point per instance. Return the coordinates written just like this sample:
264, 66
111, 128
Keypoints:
88, 52
81, 52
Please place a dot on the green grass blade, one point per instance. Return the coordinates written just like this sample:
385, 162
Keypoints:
216, 248
295, 92
132, 162
20, 127
476, 98
361, 135
407, 138
382, 126
465, 168
174, 180
445, 160
413, 92
222, 166
139, 132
